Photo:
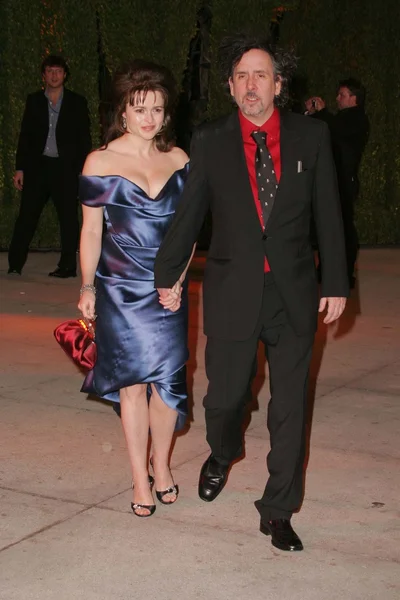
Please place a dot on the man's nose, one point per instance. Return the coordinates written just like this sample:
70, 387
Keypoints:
251, 84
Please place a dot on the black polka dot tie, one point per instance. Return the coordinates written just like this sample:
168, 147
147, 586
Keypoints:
265, 175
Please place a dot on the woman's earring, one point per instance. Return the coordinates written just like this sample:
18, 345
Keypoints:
123, 122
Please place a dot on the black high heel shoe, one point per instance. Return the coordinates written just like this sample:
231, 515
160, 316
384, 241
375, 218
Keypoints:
174, 489
150, 507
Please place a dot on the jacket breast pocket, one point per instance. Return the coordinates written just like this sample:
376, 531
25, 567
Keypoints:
302, 183
304, 174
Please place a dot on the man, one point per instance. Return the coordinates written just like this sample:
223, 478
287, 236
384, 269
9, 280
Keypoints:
53, 144
260, 280
349, 131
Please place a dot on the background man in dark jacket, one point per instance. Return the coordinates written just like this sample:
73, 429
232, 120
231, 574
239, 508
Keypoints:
349, 131
53, 144
261, 171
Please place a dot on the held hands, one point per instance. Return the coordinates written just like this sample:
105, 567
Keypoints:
335, 307
18, 180
87, 305
171, 298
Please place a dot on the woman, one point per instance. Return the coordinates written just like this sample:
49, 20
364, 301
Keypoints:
134, 183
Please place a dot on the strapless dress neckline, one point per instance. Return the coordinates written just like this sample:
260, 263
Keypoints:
135, 184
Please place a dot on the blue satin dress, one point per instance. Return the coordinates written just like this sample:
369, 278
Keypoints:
138, 341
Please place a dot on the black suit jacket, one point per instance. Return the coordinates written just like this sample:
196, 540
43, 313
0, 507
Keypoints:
349, 130
234, 278
72, 131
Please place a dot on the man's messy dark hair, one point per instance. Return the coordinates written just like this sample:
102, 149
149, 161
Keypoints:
355, 88
54, 60
284, 62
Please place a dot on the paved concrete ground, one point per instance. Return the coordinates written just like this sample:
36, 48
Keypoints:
67, 531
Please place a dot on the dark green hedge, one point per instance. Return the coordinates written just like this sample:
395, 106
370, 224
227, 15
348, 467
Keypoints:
336, 39
31, 29
19, 34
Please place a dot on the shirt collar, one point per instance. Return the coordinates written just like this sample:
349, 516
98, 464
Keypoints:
59, 99
271, 126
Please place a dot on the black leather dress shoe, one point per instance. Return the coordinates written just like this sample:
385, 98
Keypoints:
14, 271
282, 534
63, 273
212, 479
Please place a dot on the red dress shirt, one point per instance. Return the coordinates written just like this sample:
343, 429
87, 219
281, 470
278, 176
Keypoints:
272, 128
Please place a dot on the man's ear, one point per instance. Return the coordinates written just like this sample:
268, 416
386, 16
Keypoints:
230, 81
278, 85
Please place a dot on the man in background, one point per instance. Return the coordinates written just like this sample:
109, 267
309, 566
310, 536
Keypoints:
53, 143
349, 132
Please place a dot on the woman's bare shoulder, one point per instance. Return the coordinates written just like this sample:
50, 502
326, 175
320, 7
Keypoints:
96, 162
179, 157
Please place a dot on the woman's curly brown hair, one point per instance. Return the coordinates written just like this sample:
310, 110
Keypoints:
130, 85
284, 62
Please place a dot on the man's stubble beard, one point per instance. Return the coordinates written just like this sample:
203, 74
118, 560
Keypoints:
252, 111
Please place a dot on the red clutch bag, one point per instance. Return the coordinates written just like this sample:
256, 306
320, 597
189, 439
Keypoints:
76, 338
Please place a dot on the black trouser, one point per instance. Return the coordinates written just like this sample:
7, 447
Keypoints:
229, 367
49, 180
348, 197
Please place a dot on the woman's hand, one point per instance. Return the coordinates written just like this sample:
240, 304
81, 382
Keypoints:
171, 298
87, 304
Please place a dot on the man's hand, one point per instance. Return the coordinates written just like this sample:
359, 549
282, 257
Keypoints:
18, 180
309, 106
170, 298
319, 104
335, 308
314, 104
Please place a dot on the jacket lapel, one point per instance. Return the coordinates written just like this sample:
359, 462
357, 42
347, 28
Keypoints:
235, 171
63, 109
44, 113
289, 146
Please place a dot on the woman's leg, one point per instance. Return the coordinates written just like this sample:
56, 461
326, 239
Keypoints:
135, 423
162, 425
